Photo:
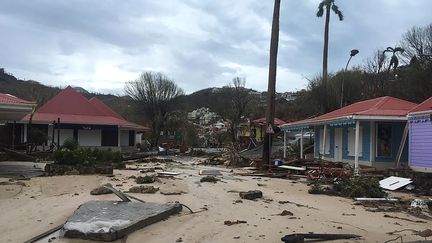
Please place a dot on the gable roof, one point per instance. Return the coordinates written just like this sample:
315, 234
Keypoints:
425, 106
385, 106
382, 106
98, 104
73, 108
10, 99
263, 121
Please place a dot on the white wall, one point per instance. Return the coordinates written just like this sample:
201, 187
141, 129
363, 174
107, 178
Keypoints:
89, 137
124, 137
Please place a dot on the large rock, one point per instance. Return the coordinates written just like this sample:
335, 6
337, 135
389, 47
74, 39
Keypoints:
250, 195
101, 190
111, 220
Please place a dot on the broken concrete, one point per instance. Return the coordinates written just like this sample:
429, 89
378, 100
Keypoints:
251, 195
101, 190
111, 220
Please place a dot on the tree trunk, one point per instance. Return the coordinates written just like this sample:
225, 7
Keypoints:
271, 83
324, 107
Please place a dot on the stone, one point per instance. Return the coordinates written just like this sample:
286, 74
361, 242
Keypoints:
72, 172
229, 222
286, 213
251, 195
209, 179
143, 189
112, 220
101, 190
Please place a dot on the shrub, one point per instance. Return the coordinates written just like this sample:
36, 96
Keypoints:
86, 156
360, 187
70, 144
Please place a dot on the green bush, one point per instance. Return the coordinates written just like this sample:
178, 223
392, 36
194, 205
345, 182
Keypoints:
360, 187
86, 156
70, 144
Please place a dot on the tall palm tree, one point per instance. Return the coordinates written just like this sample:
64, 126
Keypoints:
274, 41
327, 5
394, 61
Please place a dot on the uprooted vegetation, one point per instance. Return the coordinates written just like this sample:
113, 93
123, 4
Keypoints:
145, 179
350, 187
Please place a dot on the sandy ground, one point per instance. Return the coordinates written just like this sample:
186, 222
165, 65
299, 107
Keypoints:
46, 202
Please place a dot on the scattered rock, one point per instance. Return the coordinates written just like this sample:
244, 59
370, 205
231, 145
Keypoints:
147, 170
101, 190
229, 222
250, 195
72, 172
286, 213
179, 239
145, 179
236, 237
209, 179
260, 184
143, 189
238, 201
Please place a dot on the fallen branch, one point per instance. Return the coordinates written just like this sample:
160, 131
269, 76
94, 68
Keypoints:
406, 219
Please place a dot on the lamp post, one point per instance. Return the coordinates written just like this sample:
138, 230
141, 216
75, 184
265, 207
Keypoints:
353, 53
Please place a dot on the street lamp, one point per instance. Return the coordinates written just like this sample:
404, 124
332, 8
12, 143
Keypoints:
353, 53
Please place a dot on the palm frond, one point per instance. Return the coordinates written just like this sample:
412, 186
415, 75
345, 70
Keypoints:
320, 11
339, 13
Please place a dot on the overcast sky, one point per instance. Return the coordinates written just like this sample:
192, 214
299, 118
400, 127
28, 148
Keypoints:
100, 44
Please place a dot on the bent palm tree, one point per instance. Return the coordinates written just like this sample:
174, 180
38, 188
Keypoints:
327, 5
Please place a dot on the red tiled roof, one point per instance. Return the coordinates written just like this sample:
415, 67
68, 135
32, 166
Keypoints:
10, 99
104, 108
382, 106
263, 121
424, 106
73, 108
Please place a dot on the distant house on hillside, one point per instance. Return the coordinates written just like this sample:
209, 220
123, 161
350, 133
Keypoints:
256, 129
420, 137
69, 115
367, 132
12, 109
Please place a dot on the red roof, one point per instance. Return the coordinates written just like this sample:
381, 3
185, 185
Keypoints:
73, 108
10, 99
263, 121
104, 108
424, 106
382, 106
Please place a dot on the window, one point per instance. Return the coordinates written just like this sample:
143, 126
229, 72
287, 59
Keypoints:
351, 141
384, 135
327, 141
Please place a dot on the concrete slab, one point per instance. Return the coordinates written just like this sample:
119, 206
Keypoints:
111, 220
12, 169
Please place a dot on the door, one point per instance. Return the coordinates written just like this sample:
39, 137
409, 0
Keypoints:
338, 145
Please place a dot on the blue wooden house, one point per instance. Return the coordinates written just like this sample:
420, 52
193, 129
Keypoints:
420, 137
367, 132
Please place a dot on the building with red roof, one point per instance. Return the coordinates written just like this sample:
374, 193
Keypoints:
420, 137
69, 115
12, 109
367, 132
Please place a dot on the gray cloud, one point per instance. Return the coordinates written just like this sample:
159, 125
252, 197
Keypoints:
99, 45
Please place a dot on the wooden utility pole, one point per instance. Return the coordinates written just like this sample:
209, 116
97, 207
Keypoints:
271, 90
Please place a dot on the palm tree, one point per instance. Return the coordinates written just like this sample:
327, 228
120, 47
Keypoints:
394, 61
271, 83
328, 5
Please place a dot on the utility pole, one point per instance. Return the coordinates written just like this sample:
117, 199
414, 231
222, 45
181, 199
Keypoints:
267, 143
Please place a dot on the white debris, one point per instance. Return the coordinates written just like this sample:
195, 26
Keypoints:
393, 182
418, 203
97, 226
